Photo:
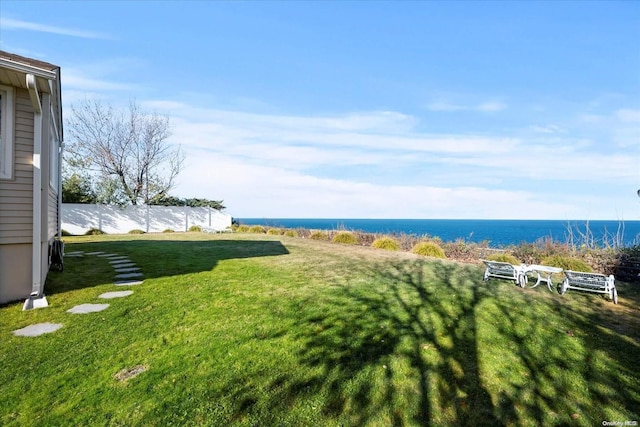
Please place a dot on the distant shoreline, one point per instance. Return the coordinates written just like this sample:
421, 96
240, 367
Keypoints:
498, 233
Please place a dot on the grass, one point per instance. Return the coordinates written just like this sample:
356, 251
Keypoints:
268, 330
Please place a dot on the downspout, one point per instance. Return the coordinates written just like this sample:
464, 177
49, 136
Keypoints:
61, 152
60, 191
36, 299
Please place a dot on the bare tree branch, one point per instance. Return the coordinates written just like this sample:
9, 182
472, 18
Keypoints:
129, 148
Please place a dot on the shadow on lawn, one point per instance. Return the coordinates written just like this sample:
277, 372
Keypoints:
429, 343
159, 258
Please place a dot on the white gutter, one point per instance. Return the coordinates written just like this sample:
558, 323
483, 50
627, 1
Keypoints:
36, 299
27, 69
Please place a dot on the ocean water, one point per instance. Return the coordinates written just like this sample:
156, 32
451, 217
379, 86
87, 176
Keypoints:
497, 232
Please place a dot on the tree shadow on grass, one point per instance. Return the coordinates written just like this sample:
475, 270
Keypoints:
155, 258
429, 343
400, 349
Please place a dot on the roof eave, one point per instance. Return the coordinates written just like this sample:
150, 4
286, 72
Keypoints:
28, 69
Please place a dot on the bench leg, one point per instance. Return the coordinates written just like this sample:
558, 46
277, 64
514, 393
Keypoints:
563, 288
521, 280
549, 283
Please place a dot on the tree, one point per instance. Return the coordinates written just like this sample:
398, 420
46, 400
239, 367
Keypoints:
76, 188
194, 203
127, 150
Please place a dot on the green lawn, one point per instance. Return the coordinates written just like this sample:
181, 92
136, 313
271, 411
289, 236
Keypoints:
266, 330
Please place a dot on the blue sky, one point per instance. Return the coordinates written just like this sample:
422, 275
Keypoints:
369, 109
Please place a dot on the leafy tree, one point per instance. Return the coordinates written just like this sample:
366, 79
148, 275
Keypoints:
128, 150
109, 192
77, 188
194, 203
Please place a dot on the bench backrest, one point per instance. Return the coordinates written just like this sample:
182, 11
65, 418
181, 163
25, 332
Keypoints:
592, 280
497, 265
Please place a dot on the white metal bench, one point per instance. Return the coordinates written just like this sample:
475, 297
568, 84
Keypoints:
590, 282
504, 270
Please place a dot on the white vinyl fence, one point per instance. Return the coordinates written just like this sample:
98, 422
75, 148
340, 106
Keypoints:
78, 218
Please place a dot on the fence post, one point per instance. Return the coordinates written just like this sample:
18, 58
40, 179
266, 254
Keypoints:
147, 217
99, 208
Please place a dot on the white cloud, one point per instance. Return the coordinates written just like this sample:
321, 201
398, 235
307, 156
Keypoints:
363, 131
546, 129
16, 24
445, 106
272, 166
628, 115
272, 191
301, 143
73, 79
484, 107
490, 107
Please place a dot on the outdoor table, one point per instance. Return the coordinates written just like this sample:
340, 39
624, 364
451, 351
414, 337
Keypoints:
548, 271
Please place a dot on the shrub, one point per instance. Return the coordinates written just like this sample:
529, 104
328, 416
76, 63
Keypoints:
274, 231
345, 237
136, 231
65, 233
319, 235
258, 229
462, 250
94, 232
168, 230
291, 233
533, 253
386, 243
625, 264
242, 229
504, 257
567, 263
428, 249
195, 228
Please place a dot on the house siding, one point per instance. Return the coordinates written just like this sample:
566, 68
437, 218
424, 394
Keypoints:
15, 272
52, 216
19, 259
16, 207
16, 194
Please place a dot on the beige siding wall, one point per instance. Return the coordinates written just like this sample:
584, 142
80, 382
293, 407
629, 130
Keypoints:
15, 272
16, 203
49, 195
16, 195
16, 214
52, 215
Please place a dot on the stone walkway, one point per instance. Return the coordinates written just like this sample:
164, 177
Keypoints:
127, 274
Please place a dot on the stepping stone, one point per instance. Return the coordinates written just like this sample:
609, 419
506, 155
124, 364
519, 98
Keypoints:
126, 270
127, 282
116, 257
87, 308
74, 253
126, 265
128, 275
94, 253
103, 255
120, 261
118, 294
38, 329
